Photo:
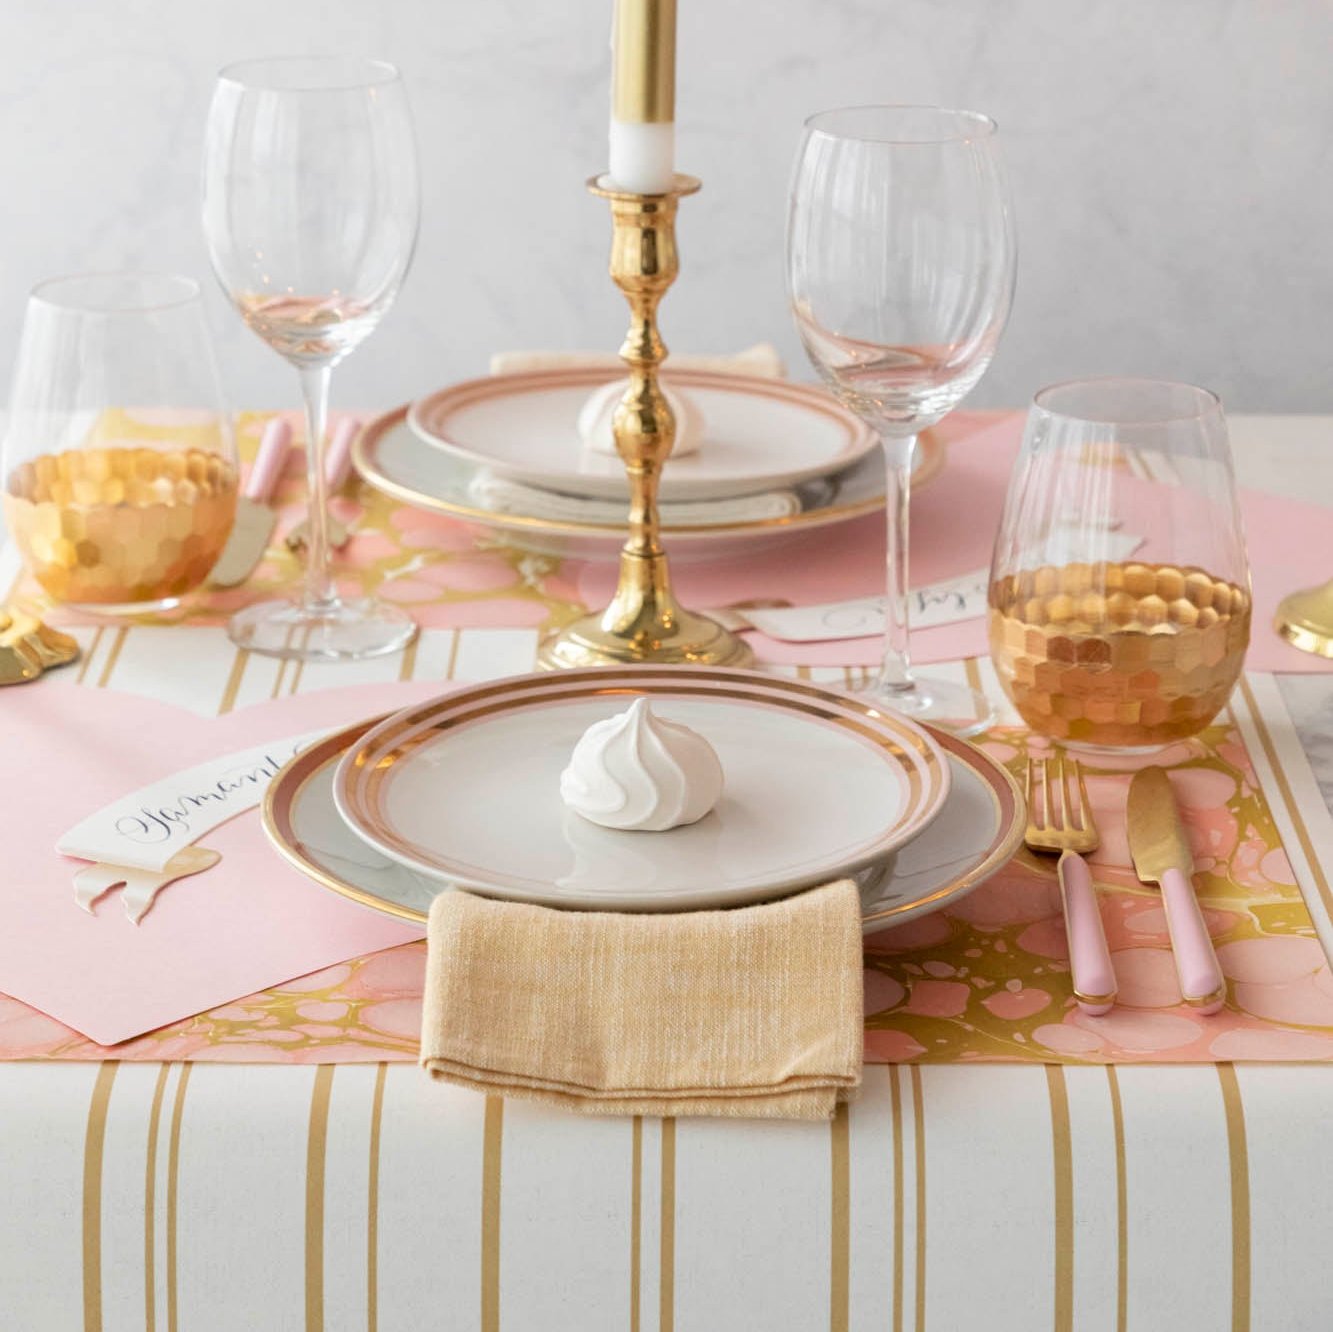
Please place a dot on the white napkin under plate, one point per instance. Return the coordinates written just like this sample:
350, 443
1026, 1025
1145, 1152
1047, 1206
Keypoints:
498, 494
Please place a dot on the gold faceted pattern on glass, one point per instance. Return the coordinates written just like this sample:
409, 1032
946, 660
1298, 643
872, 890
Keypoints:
1118, 654
111, 526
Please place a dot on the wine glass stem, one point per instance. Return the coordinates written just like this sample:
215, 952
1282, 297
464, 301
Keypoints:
895, 675
320, 593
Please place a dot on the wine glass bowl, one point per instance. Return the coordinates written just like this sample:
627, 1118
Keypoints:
900, 267
1119, 603
310, 211
120, 477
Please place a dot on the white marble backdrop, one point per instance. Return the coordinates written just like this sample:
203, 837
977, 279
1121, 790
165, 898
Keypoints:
1171, 167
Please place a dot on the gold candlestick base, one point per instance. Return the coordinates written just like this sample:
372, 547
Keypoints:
644, 622
1305, 620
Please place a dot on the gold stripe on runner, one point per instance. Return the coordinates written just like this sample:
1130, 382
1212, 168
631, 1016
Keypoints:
1121, 1204
233, 686
453, 654
150, 1203
666, 1275
90, 654
113, 656
840, 1245
919, 1111
373, 1205
173, 1171
896, 1098
316, 1148
635, 1219
407, 668
1062, 1148
94, 1142
1238, 1154
492, 1135
299, 665
1289, 799
973, 673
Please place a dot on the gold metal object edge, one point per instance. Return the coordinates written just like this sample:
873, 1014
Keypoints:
1305, 619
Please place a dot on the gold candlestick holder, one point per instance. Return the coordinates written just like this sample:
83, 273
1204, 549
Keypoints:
1305, 619
644, 622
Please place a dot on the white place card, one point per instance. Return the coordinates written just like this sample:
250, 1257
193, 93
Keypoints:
146, 828
946, 602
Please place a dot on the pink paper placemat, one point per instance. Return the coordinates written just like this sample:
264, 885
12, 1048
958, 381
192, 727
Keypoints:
250, 922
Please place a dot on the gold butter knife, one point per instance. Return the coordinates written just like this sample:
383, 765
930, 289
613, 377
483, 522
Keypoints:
1162, 855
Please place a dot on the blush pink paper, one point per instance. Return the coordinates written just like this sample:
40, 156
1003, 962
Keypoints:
954, 520
250, 922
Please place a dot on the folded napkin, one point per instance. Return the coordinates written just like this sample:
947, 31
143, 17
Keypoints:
761, 359
753, 1012
498, 494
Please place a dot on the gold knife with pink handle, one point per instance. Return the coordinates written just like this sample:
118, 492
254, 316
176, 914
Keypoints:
1162, 855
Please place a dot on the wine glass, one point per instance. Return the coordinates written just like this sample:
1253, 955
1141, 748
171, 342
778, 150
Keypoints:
1120, 591
120, 475
900, 269
310, 213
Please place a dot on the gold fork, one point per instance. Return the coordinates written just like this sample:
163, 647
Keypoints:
1065, 827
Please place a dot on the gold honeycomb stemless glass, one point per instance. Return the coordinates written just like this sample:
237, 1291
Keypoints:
1120, 591
119, 463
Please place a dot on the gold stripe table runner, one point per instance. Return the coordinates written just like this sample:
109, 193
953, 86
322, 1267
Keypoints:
1007, 1197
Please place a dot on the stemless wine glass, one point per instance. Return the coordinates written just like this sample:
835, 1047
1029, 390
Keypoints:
900, 269
1120, 591
310, 213
119, 461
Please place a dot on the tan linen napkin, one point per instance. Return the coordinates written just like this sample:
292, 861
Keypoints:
760, 360
753, 1012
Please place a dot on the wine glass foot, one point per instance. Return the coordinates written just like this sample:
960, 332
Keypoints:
341, 631
952, 707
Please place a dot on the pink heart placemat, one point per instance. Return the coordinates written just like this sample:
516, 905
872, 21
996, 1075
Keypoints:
249, 923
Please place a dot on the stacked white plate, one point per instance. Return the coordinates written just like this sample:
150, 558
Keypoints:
775, 458
464, 792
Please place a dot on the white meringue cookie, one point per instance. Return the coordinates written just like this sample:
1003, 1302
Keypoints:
637, 772
596, 414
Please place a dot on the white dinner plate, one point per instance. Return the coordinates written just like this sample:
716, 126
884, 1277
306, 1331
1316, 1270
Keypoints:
975, 833
394, 460
465, 790
759, 433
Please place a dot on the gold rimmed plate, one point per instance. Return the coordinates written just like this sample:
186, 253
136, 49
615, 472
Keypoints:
759, 433
394, 460
465, 790
976, 832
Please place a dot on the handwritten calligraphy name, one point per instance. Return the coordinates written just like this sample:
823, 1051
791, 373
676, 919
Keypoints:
172, 819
